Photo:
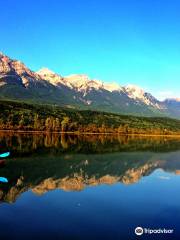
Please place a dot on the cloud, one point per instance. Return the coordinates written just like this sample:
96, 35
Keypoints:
165, 94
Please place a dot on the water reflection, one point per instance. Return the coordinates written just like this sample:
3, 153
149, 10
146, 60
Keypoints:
28, 143
43, 162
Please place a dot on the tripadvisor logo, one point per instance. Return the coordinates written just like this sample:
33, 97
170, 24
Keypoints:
139, 231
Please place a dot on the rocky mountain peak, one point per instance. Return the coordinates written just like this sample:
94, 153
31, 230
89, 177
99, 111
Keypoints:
77, 80
9, 65
45, 72
50, 76
136, 90
112, 87
137, 93
4, 64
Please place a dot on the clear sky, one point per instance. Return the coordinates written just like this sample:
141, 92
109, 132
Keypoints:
125, 41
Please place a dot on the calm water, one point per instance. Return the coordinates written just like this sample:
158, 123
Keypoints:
89, 187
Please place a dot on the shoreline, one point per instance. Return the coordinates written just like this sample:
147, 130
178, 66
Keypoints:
91, 133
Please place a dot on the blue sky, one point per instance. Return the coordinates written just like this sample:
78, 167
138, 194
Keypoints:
125, 41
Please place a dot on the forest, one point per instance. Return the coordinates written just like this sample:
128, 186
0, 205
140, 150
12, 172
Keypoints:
19, 116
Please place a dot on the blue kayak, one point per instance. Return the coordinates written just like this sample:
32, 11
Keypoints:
3, 179
3, 155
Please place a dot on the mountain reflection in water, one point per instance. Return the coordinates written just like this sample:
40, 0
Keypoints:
44, 162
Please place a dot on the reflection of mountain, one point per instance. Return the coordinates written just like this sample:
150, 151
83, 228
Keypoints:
73, 173
77, 164
79, 182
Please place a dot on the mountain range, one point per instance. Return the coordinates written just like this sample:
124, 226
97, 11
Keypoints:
18, 82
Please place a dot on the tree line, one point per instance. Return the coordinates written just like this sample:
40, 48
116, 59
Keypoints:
33, 117
66, 124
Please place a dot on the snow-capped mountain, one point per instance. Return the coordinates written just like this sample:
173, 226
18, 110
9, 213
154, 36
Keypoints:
82, 83
50, 76
18, 82
138, 94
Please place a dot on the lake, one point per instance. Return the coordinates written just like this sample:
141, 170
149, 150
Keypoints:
89, 186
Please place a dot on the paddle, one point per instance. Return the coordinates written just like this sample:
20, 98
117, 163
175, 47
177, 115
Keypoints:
3, 179
3, 155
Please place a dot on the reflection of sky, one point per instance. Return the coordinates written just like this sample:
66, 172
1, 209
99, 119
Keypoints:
129, 41
102, 212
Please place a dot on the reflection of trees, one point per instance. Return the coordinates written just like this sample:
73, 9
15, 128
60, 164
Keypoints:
47, 140
64, 141
91, 143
